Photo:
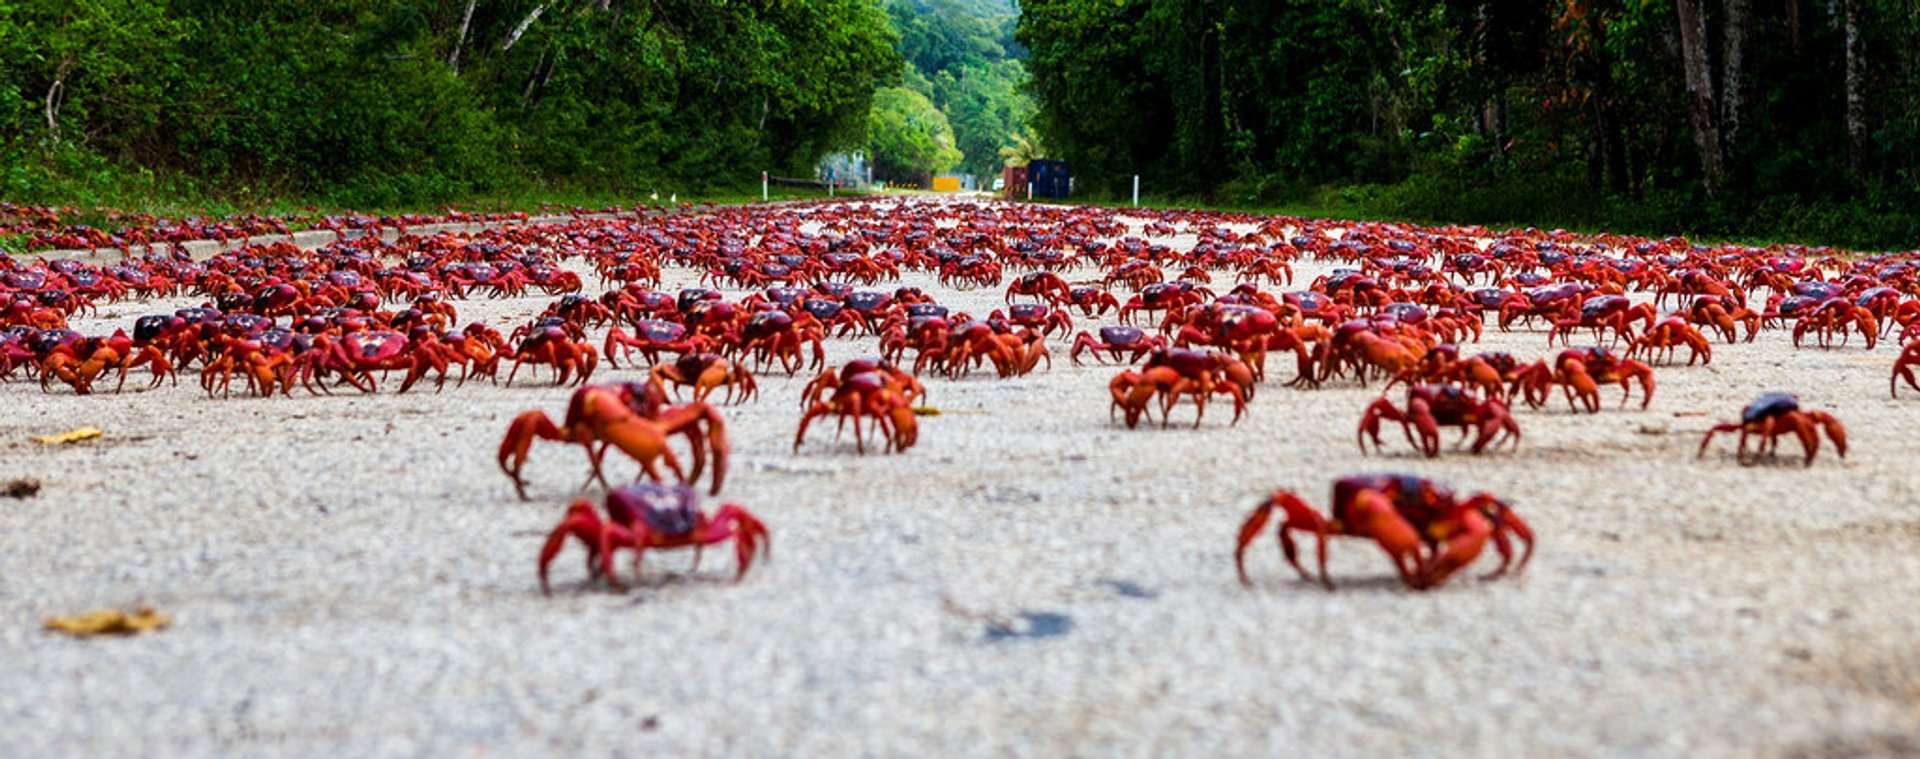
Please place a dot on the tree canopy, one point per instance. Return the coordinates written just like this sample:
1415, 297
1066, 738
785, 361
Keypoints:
910, 138
1723, 110
961, 55
382, 101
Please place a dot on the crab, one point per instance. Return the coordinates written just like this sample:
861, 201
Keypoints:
644, 516
1431, 406
867, 395
1580, 372
772, 335
630, 416
265, 362
1045, 285
1903, 368
706, 371
907, 385
357, 355
80, 362
1603, 313
653, 337
553, 347
1774, 414
1170, 374
1164, 296
1723, 314
1669, 334
1834, 316
1490, 372
1550, 301
1092, 300
1426, 530
1115, 340
1037, 316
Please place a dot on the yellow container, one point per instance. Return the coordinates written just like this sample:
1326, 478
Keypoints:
946, 184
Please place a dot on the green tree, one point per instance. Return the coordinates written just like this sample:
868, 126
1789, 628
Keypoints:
962, 56
909, 139
390, 102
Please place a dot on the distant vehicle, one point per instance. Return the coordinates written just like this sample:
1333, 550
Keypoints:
999, 183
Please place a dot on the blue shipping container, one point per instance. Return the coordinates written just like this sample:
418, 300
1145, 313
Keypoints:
1051, 179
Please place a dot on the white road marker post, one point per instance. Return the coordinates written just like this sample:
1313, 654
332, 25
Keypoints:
763, 186
1136, 191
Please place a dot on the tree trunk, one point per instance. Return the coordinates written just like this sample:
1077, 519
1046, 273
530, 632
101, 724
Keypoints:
1701, 110
1794, 13
522, 28
1856, 95
466, 22
1733, 75
54, 92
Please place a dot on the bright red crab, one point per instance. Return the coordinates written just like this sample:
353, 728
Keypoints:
644, 516
1115, 340
1429, 407
882, 394
1775, 414
630, 416
1426, 530
552, 347
1903, 368
706, 371
1045, 285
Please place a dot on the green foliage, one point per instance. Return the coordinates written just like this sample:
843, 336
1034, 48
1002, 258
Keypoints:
962, 56
390, 103
910, 138
1476, 110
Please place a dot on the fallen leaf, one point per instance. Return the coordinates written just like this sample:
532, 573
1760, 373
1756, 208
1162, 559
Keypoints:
25, 487
109, 622
925, 411
70, 436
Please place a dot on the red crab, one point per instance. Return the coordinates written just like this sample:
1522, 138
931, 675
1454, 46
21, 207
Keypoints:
1045, 285
1580, 372
553, 347
644, 516
1164, 296
771, 335
653, 337
706, 371
630, 416
864, 395
79, 363
1490, 373
1092, 301
1427, 531
1431, 406
1903, 368
1038, 317
1115, 340
1603, 313
1671, 333
1775, 414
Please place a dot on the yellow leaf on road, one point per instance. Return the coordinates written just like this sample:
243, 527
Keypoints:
70, 436
109, 622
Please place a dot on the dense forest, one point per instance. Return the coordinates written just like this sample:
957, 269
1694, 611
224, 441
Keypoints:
1796, 118
386, 103
963, 63
1724, 116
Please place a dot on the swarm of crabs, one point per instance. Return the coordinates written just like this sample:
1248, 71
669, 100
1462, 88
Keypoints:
1190, 308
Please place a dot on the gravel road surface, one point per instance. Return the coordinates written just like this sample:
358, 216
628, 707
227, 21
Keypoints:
352, 575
